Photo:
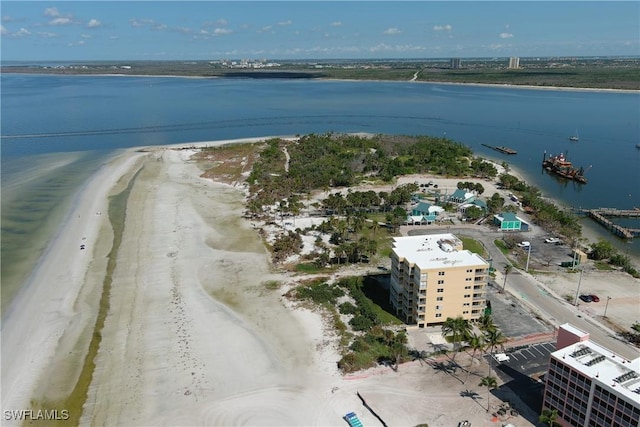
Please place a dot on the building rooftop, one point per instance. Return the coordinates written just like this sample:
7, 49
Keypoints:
603, 366
435, 251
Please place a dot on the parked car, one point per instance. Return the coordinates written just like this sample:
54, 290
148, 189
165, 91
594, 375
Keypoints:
553, 240
586, 298
594, 298
524, 244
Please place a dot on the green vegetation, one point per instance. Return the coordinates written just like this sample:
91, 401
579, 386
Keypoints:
74, 402
603, 250
611, 73
369, 342
473, 245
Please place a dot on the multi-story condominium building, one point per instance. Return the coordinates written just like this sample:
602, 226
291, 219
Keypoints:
514, 62
589, 385
433, 278
456, 63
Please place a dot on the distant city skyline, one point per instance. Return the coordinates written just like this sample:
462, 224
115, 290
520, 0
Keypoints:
209, 30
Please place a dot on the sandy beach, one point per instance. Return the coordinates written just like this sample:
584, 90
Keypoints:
192, 336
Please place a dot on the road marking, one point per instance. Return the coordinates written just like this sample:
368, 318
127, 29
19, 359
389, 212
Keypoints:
536, 349
513, 356
532, 355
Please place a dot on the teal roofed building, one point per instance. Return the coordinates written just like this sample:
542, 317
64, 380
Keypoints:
507, 221
461, 196
424, 213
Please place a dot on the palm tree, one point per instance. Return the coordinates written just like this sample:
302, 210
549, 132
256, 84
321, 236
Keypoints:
486, 322
490, 383
549, 416
507, 270
459, 328
493, 338
375, 225
477, 344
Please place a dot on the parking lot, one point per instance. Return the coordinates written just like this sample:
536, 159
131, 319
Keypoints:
522, 371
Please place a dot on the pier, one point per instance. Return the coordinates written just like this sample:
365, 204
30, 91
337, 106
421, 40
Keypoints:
505, 150
601, 215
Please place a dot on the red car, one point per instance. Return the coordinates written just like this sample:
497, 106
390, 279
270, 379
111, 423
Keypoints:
594, 298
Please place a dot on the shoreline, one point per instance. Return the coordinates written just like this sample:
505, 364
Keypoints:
192, 333
492, 85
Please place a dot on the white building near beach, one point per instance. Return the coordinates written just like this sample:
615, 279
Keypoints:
433, 278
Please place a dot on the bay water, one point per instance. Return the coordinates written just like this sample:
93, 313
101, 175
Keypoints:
57, 130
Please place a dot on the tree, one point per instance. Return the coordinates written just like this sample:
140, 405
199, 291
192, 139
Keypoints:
493, 338
489, 383
375, 225
601, 250
507, 270
459, 328
477, 344
549, 416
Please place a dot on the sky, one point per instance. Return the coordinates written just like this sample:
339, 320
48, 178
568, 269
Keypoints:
212, 30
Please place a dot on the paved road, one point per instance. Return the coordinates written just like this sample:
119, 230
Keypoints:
535, 295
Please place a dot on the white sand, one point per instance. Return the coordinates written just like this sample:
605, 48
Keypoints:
193, 336
50, 304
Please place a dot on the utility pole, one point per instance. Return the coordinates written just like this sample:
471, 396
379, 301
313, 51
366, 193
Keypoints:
605, 308
578, 290
528, 255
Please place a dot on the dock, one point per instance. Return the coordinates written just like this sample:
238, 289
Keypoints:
601, 216
502, 149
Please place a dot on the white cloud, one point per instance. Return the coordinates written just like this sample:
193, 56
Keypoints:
382, 47
336, 24
222, 22
22, 32
113, 37
47, 35
392, 31
265, 29
506, 35
285, 23
79, 43
94, 23
221, 31
85, 36
3, 30
446, 27
51, 12
60, 21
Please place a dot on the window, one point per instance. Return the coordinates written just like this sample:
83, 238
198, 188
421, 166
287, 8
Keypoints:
438, 314
468, 279
440, 289
467, 287
440, 282
437, 307
469, 271
440, 273
468, 296
465, 312
466, 304
439, 298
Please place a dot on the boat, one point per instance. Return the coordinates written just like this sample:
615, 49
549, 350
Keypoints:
561, 166
637, 145
574, 137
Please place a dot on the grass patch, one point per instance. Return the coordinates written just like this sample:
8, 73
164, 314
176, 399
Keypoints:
308, 267
603, 266
227, 163
500, 244
272, 285
473, 245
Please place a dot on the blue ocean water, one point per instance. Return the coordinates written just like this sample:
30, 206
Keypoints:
96, 115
